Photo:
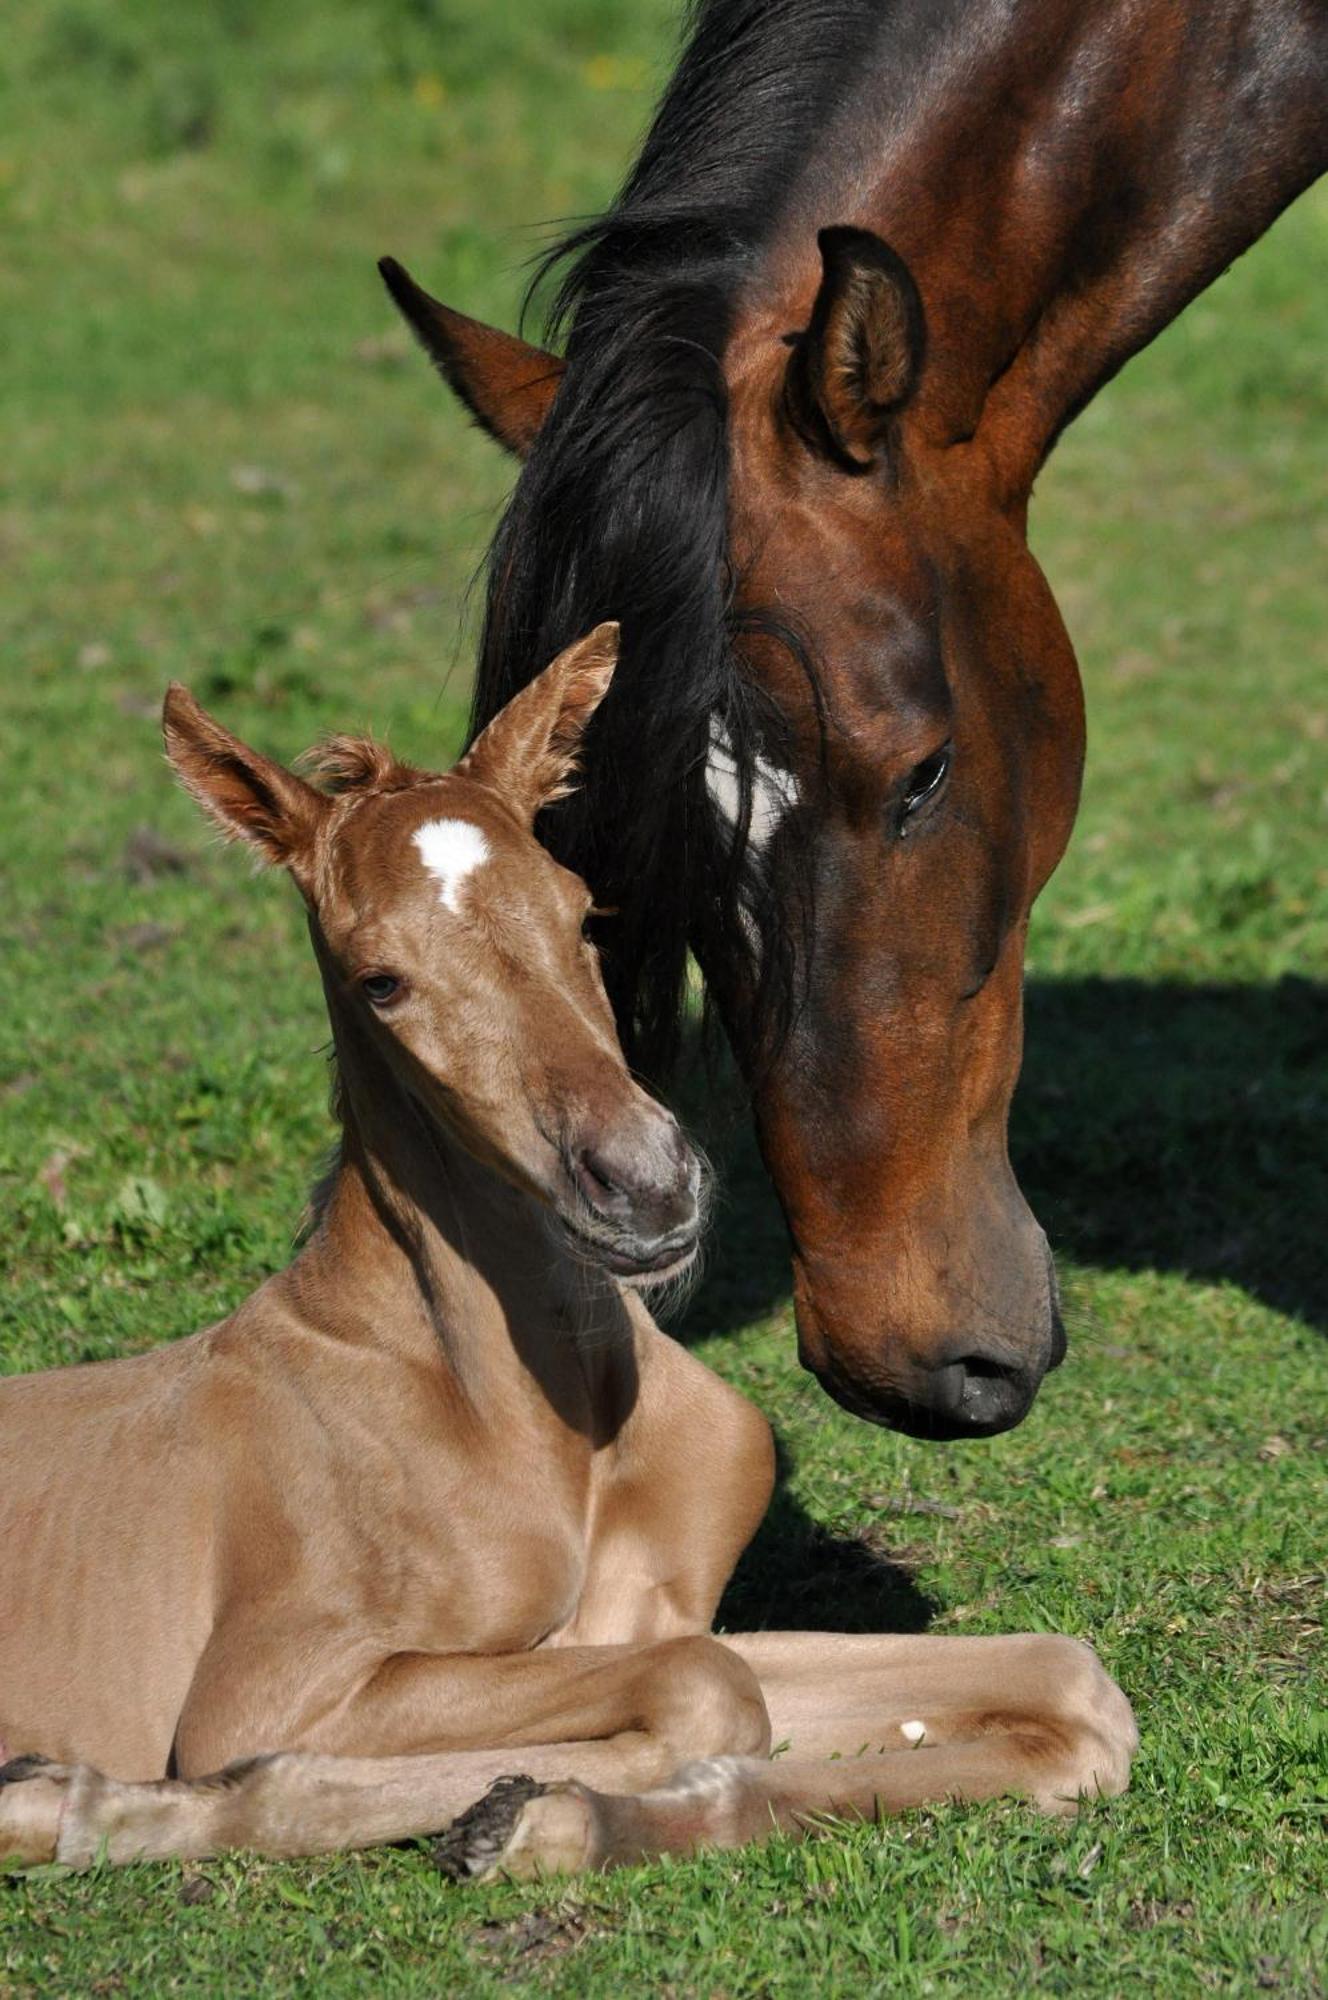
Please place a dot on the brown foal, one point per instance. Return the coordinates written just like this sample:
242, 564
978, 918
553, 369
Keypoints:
439, 1501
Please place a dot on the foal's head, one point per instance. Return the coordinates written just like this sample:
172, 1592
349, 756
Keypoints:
452, 946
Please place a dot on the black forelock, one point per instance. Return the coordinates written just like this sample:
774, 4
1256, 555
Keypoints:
621, 508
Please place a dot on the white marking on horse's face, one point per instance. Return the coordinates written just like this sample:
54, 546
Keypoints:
774, 791
913, 1732
451, 849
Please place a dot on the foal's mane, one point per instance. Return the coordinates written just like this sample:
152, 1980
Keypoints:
621, 510
358, 764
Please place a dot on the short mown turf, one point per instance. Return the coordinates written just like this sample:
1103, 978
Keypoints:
222, 461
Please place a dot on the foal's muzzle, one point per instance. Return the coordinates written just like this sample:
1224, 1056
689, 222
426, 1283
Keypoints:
636, 1205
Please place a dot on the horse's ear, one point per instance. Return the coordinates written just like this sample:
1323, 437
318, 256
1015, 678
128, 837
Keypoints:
249, 796
507, 385
858, 361
529, 751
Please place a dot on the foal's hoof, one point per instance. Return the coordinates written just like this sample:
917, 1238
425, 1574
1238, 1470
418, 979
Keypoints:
519, 1829
469, 1846
32, 1766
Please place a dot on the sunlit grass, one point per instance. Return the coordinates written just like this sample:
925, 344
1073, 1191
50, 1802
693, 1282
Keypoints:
224, 463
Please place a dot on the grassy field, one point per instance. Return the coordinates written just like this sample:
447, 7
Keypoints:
222, 462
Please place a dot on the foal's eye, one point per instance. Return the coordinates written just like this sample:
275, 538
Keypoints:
924, 781
380, 987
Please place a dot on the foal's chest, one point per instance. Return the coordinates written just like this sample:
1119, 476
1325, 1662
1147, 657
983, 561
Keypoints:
538, 1528
499, 1549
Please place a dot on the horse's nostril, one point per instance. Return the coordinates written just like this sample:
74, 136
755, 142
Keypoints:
981, 1367
984, 1394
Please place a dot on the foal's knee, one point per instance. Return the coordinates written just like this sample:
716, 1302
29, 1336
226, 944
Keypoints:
707, 1702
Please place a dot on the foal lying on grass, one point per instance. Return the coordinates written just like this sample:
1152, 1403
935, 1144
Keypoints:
439, 1502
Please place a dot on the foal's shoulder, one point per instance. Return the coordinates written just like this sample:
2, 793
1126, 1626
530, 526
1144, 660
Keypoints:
697, 1409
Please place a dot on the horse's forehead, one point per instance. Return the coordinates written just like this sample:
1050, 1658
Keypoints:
893, 665
431, 843
913, 597
874, 636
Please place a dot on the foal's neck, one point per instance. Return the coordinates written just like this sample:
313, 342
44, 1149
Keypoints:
422, 1251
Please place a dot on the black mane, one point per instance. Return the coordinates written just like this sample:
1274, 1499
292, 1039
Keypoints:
621, 508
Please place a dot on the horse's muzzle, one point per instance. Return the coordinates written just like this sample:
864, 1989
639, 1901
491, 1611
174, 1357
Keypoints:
969, 1383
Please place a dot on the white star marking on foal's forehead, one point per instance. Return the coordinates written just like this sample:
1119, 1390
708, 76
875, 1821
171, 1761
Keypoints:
451, 849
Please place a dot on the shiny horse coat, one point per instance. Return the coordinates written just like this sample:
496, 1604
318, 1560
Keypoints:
871, 260
439, 1502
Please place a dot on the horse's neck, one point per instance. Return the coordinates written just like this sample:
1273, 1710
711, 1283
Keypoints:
1063, 178
426, 1254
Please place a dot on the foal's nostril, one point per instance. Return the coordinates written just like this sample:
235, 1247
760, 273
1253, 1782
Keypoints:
638, 1190
595, 1178
636, 1186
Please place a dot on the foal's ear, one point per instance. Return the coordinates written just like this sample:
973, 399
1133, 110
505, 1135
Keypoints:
249, 796
529, 751
858, 361
507, 385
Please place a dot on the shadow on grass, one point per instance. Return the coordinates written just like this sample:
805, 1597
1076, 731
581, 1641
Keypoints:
798, 1577
1181, 1128
1156, 1127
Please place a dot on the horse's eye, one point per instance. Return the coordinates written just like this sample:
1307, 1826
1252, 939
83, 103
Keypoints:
380, 987
924, 781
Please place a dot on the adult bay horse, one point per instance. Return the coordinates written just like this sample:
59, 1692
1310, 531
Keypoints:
873, 256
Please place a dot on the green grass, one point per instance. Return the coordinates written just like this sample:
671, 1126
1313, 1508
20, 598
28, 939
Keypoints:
222, 462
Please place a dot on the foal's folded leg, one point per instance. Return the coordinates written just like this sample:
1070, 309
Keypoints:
1065, 1726
289, 1803
612, 1718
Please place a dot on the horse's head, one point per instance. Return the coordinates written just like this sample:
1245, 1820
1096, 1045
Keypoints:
452, 948
914, 793
932, 791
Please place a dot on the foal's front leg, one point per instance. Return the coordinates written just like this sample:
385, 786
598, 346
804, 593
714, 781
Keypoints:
617, 1718
872, 1725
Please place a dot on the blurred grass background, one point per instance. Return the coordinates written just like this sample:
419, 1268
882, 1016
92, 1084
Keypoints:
223, 461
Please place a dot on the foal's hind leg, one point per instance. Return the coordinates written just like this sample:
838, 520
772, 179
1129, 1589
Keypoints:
873, 1725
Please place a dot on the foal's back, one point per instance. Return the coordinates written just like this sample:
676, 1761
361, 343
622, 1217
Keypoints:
105, 1525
